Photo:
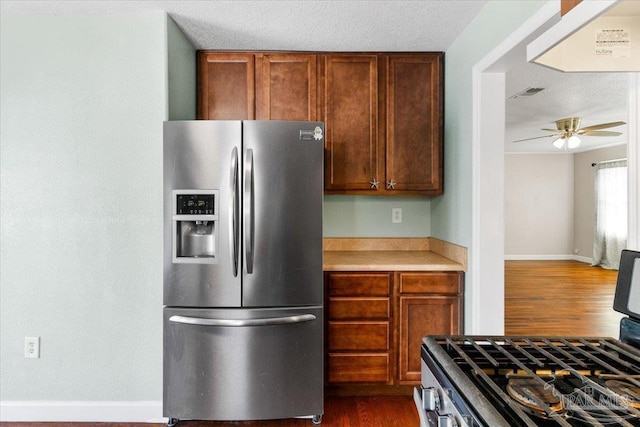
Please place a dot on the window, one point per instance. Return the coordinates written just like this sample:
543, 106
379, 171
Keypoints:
611, 213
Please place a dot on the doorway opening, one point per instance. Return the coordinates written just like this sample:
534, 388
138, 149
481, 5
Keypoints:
487, 243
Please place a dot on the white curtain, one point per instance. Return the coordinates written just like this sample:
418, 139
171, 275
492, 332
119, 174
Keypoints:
611, 213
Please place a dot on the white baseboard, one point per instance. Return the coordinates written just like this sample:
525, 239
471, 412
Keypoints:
82, 411
583, 259
548, 258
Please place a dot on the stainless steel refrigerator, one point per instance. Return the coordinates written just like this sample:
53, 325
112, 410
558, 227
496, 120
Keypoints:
243, 284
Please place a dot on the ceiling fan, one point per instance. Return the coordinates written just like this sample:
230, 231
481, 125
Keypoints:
569, 129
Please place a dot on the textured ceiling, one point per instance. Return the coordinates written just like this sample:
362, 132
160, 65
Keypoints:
595, 97
393, 25
429, 25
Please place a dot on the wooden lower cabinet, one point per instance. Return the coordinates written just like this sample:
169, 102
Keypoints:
358, 368
429, 304
358, 330
376, 322
421, 316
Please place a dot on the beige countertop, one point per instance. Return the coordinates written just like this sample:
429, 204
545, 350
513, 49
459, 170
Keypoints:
393, 254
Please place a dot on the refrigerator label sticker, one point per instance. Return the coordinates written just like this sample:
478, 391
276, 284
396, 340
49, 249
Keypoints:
311, 135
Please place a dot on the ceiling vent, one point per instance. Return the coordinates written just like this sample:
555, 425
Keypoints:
527, 92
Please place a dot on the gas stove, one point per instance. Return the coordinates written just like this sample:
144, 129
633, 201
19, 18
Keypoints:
537, 381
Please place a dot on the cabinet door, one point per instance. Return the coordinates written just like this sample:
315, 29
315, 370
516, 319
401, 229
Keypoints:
414, 123
226, 89
421, 316
287, 89
430, 303
350, 115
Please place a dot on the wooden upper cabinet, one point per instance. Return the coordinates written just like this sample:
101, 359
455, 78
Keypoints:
383, 112
414, 123
226, 89
350, 110
264, 86
287, 88
384, 123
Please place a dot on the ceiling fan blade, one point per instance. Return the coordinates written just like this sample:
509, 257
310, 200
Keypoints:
600, 133
536, 137
551, 130
601, 126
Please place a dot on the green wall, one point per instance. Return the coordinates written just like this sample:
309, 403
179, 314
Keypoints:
451, 213
370, 216
83, 101
452, 216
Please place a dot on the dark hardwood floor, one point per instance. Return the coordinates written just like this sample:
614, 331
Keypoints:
566, 298
362, 411
559, 298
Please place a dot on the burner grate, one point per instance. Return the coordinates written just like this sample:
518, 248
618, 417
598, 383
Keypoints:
555, 381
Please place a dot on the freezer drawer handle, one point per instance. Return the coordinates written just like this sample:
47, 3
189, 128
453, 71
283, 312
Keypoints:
243, 322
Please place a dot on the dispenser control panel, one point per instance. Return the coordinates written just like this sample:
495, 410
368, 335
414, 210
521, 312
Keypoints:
195, 204
195, 226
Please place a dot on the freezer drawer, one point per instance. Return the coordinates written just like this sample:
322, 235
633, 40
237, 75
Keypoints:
242, 364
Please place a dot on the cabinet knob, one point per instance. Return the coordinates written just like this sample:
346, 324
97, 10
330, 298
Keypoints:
391, 185
374, 183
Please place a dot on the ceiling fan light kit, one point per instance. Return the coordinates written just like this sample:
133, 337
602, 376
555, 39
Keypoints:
568, 130
573, 142
559, 143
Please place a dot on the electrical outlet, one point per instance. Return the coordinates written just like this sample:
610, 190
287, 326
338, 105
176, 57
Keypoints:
396, 215
32, 347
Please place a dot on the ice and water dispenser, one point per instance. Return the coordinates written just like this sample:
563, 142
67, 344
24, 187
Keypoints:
195, 223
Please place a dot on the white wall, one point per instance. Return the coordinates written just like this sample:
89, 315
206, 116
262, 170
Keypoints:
83, 100
539, 209
550, 203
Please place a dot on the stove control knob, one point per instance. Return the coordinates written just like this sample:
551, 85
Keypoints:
430, 399
447, 421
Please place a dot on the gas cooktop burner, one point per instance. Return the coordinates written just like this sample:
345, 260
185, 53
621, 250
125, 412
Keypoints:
628, 392
534, 396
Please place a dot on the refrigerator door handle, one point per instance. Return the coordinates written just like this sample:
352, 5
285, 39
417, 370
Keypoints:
243, 322
249, 208
234, 214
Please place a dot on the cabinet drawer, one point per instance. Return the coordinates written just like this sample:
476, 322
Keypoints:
358, 368
356, 284
346, 308
448, 283
358, 336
